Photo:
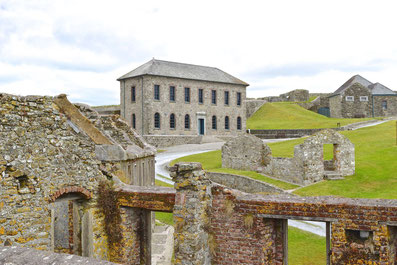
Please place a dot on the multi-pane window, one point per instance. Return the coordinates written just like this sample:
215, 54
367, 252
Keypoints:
187, 94
213, 97
157, 120
172, 93
187, 121
214, 122
238, 123
156, 92
227, 126
238, 98
363, 98
384, 104
349, 98
226, 97
201, 96
172, 121
133, 95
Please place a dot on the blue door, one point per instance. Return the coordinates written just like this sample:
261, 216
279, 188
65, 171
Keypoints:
324, 111
201, 126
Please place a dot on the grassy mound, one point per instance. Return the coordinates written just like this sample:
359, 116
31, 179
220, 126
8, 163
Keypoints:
286, 115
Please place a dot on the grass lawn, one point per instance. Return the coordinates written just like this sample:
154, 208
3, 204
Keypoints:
286, 115
212, 161
305, 248
376, 167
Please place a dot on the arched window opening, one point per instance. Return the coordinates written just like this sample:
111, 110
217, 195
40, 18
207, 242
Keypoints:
239, 123
187, 121
157, 120
214, 122
227, 127
172, 121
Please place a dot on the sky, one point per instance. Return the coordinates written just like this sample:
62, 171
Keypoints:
80, 47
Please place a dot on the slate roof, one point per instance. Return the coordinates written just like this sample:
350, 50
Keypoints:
375, 89
182, 70
354, 79
379, 89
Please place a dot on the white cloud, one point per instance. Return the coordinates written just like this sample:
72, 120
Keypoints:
79, 47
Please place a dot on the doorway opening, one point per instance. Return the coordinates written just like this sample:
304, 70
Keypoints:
201, 126
329, 156
71, 227
308, 242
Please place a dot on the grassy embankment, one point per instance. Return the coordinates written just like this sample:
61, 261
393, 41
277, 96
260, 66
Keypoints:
287, 115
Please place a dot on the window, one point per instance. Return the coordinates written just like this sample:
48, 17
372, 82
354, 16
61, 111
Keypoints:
384, 104
172, 93
133, 121
213, 97
214, 122
187, 121
239, 123
227, 123
201, 96
238, 98
226, 97
156, 92
157, 120
349, 98
187, 94
363, 98
133, 96
172, 121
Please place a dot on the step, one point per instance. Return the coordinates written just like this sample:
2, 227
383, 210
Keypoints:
331, 175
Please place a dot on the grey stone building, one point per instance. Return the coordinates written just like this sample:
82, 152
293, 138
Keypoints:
161, 98
359, 98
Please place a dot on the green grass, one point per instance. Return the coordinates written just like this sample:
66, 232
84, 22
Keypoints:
166, 218
312, 98
162, 183
305, 248
376, 167
288, 115
212, 161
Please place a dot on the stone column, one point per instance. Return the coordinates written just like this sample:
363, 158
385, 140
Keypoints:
192, 200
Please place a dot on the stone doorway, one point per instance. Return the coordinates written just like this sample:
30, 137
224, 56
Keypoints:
71, 225
330, 160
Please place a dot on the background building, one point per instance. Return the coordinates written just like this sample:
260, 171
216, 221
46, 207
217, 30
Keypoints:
359, 98
169, 98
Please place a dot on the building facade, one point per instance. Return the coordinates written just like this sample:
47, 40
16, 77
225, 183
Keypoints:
167, 98
359, 98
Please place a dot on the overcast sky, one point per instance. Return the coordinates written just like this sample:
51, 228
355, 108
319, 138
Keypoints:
81, 47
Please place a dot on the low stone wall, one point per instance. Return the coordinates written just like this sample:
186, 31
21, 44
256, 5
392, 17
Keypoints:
242, 183
285, 169
286, 133
107, 110
171, 140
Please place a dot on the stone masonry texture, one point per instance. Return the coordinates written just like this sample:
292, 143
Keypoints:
306, 167
52, 159
241, 228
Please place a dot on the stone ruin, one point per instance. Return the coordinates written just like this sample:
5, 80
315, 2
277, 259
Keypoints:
307, 166
59, 166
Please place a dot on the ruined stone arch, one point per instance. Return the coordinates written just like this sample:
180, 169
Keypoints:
86, 194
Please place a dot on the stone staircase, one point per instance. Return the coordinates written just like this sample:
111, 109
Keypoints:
332, 175
162, 245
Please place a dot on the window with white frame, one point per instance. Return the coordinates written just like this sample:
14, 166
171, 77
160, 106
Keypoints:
349, 98
363, 98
